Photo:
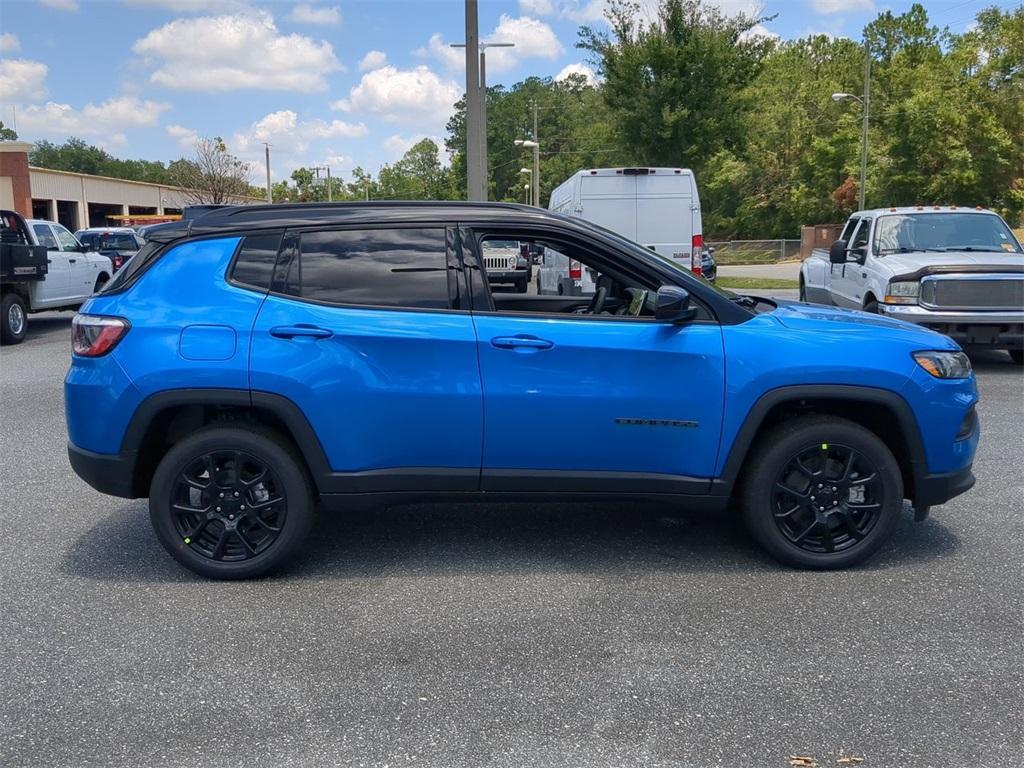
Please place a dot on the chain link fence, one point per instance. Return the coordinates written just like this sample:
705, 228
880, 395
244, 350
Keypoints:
755, 251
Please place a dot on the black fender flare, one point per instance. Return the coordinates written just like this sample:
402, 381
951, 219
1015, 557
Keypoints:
747, 433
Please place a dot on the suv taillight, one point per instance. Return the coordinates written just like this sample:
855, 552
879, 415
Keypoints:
697, 254
95, 336
575, 270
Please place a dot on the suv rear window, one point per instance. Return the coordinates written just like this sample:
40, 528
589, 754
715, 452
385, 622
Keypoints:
373, 267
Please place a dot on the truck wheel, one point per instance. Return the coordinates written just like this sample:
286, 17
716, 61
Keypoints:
231, 502
14, 320
821, 493
871, 306
803, 290
521, 286
1017, 355
100, 282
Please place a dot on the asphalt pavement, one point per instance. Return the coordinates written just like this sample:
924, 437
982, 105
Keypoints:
507, 635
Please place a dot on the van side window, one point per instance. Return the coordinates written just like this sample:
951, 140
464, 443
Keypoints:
372, 267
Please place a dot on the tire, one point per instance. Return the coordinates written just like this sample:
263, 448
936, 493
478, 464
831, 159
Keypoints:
521, 286
247, 544
13, 319
561, 289
821, 443
1017, 356
100, 282
871, 306
803, 291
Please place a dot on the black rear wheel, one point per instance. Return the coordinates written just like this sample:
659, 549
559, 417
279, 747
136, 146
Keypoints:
1017, 355
822, 493
231, 502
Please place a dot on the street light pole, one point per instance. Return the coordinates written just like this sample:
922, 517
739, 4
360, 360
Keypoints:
535, 146
476, 183
865, 104
482, 84
270, 193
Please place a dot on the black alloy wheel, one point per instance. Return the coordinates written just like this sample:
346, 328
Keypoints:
232, 502
827, 498
228, 506
821, 492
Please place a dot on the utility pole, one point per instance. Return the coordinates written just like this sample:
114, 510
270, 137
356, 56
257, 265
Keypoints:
476, 182
330, 193
270, 192
536, 157
864, 135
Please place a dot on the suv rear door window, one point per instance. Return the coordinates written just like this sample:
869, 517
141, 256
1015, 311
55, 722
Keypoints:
372, 267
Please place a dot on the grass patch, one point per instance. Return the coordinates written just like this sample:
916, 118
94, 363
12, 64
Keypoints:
756, 282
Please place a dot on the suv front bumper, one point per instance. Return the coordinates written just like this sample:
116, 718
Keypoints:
936, 489
1003, 329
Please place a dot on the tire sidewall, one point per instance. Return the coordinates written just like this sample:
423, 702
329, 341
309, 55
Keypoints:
289, 473
775, 453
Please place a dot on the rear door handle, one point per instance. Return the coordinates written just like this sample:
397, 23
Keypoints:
527, 342
291, 331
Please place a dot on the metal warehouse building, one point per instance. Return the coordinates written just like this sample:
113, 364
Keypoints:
78, 200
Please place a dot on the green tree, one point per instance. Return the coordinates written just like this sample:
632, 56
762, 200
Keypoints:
7, 134
419, 175
676, 85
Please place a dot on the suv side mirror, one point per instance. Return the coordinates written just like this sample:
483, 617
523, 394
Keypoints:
837, 252
673, 305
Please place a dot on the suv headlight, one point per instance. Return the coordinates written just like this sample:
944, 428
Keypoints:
944, 364
905, 292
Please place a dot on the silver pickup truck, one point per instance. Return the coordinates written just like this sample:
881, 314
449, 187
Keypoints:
959, 271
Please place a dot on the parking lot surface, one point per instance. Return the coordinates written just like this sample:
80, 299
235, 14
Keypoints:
507, 635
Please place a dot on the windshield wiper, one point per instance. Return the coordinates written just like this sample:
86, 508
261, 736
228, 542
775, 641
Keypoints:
975, 248
905, 249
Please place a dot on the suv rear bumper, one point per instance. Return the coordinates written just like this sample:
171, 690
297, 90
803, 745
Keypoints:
111, 474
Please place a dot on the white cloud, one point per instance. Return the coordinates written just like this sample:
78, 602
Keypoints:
412, 96
584, 11
842, 6
22, 80
303, 13
373, 60
186, 137
61, 5
577, 69
223, 53
533, 39
537, 7
106, 120
760, 30
9, 43
289, 135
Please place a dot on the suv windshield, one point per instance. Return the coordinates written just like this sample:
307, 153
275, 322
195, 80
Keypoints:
916, 232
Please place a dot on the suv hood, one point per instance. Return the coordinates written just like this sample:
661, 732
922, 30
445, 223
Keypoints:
808, 318
915, 265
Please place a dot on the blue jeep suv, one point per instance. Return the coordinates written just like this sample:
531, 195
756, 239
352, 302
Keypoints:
256, 363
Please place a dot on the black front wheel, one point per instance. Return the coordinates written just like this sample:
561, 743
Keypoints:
821, 493
231, 502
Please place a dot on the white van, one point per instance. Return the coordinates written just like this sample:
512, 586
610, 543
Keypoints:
656, 207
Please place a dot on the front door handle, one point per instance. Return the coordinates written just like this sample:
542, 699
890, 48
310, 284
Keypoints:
72, 261
521, 342
291, 331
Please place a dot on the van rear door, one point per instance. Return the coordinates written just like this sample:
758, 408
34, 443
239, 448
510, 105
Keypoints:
611, 202
664, 215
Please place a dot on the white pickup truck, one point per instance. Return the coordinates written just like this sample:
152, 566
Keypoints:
71, 274
959, 271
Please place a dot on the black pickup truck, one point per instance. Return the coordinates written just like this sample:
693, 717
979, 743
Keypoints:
21, 263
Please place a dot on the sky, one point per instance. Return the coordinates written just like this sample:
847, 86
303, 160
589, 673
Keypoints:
327, 82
